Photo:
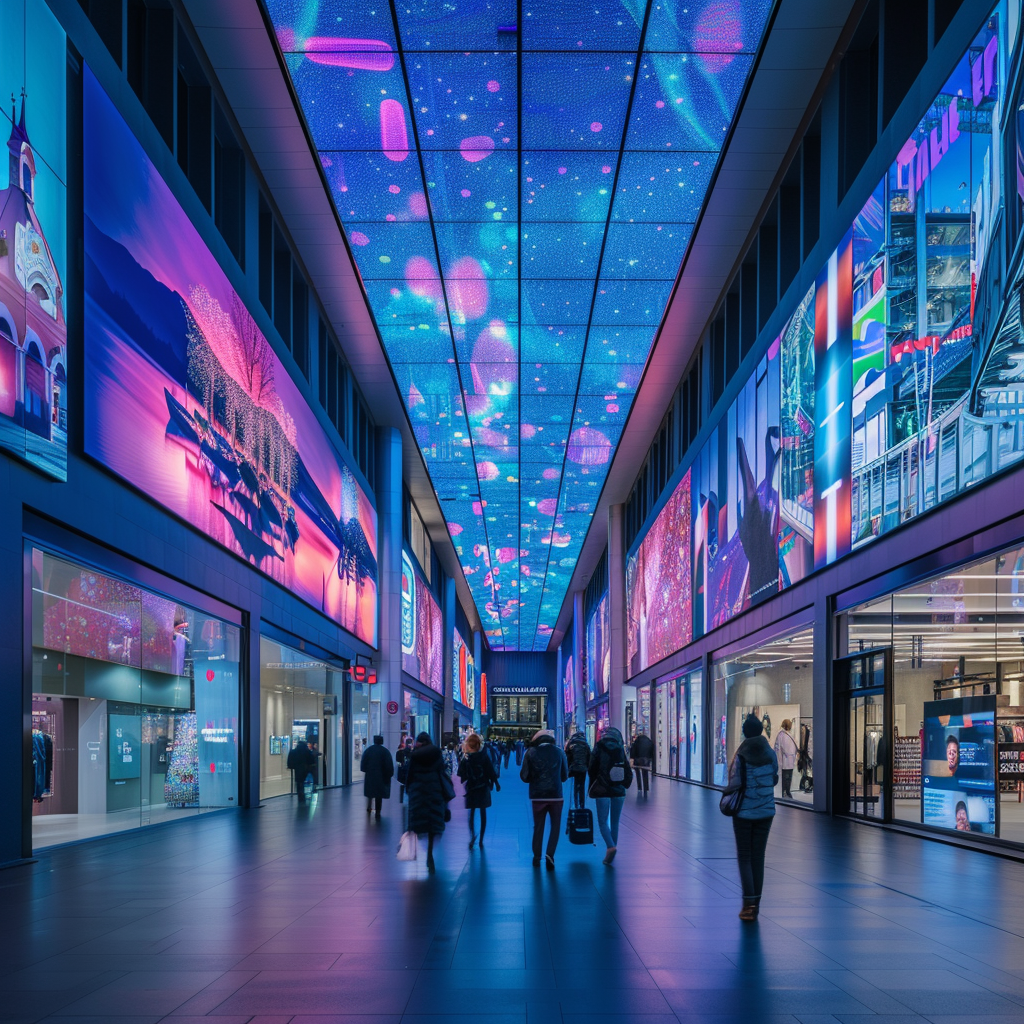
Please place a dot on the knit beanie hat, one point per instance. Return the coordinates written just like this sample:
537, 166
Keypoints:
752, 726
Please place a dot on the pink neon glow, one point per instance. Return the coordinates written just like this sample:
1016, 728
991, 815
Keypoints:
454, 529
465, 193
550, 474
495, 366
422, 278
492, 86
418, 204
358, 238
362, 54
588, 447
487, 471
659, 104
596, 126
562, 170
478, 508
527, 430
606, 169
718, 34
394, 138
547, 507
394, 189
476, 148
467, 288
506, 555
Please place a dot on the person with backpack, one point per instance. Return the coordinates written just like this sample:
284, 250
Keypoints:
301, 761
641, 753
754, 773
478, 776
430, 790
610, 777
544, 770
577, 753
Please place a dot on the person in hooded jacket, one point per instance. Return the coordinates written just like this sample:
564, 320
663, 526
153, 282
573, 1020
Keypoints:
610, 777
756, 761
577, 753
476, 769
428, 799
377, 768
641, 753
302, 762
545, 769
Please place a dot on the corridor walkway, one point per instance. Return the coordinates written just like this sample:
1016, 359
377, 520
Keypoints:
286, 915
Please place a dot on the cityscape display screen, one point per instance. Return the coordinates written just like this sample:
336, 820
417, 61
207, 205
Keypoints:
518, 204
186, 399
33, 239
958, 772
894, 385
422, 633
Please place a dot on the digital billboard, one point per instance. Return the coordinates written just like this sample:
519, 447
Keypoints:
186, 399
463, 672
958, 771
33, 239
422, 634
598, 652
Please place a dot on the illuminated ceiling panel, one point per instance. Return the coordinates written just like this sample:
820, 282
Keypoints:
518, 196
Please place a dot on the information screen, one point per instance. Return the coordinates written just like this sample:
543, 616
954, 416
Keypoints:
959, 765
125, 747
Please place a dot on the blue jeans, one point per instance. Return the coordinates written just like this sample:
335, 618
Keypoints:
612, 805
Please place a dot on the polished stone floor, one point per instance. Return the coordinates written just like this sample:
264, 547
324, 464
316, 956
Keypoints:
304, 916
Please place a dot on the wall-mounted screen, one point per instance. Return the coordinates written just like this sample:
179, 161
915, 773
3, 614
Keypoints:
958, 770
187, 401
463, 672
33, 239
422, 634
569, 689
598, 655
124, 744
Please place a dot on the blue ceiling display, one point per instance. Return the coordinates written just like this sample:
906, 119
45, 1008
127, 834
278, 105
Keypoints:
518, 184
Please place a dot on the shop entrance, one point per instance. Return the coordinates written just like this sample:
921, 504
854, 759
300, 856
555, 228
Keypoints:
863, 778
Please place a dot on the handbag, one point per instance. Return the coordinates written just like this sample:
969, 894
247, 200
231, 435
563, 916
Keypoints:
732, 797
447, 786
408, 846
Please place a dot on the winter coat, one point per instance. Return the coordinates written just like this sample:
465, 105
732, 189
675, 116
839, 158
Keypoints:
301, 760
642, 751
577, 752
401, 759
479, 777
427, 802
607, 752
378, 769
786, 750
545, 769
762, 778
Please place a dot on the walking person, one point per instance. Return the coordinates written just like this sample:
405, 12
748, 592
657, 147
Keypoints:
577, 753
755, 770
301, 761
429, 787
493, 751
545, 769
402, 759
520, 750
478, 777
507, 748
378, 769
610, 777
786, 751
641, 753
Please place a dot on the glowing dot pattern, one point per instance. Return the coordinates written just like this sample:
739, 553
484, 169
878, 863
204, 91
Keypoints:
518, 208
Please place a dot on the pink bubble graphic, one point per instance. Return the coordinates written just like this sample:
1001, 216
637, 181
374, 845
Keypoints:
506, 555
487, 471
588, 447
492, 86
659, 104
718, 34
550, 474
527, 430
478, 508
390, 216
394, 189
490, 438
467, 288
454, 529
606, 169
612, 407
562, 170
476, 148
358, 238
360, 54
394, 137
421, 276
548, 507
596, 126
418, 204
466, 193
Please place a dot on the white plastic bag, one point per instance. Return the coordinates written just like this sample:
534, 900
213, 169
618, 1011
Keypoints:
408, 846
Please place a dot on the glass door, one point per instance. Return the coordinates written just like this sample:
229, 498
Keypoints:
863, 745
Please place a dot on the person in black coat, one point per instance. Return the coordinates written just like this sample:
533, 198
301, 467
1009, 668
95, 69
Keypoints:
476, 769
545, 769
610, 777
641, 753
429, 787
577, 753
302, 761
378, 769
402, 760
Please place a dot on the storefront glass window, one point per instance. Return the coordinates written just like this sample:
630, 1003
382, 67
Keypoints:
134, 705
418, 716
774, 682
300, 696
666, 739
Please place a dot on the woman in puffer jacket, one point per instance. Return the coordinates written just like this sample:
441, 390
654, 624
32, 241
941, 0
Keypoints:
753, 821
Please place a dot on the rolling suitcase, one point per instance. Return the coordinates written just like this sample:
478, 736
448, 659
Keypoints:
580, 826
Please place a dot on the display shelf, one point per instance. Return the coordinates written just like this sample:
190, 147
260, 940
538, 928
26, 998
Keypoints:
906, 776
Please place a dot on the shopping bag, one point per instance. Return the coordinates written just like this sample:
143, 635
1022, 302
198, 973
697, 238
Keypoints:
408, 846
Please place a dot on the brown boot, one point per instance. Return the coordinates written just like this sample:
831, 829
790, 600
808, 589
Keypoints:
749, 911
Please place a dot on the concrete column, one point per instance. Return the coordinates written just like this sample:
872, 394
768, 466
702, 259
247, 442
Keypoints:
617, 613
249, 794
578, 654
447, 634
389, 579
558, 718
477, 664
821, 737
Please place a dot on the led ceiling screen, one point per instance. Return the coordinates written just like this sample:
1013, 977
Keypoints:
518, 196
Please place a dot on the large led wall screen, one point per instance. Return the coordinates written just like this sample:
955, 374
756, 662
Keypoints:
598, 653
422, 633
894, 386
463, 672
518, 204
187, 401
33, 238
